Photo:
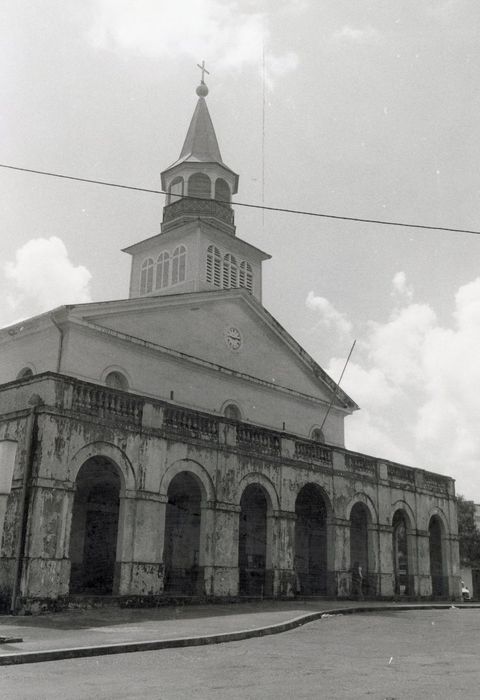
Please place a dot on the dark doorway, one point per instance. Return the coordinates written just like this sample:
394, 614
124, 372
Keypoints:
359, 541
439, 587
252, 545
311, 565
400, 555
93, 537
182, 536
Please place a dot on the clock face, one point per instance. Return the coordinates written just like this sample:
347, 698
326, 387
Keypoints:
233, 338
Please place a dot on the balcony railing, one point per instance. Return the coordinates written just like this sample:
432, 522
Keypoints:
191, 424
361, 464
104, 403
435, 482
397, 473
60, 392
198, 207
313, 451
259, 440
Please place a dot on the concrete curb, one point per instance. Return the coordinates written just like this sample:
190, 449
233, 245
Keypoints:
30, 657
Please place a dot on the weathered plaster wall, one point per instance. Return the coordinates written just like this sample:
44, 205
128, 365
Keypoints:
157, 375
36, 347
149, 456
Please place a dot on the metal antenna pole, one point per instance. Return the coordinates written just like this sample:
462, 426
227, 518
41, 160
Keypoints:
338, 385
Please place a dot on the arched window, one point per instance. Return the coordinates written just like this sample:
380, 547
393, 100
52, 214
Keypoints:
163, 268
318, 435
222, 190
246, 275
232, 411
175, 191
25, 372
199, 186
116, 380
214, 266
230, 272
146, 276
179, 259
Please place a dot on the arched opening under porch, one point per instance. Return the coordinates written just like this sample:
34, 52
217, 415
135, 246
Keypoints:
253, 541
94, 528
311, 555
402, 581
183, 518
437, 570
360, 545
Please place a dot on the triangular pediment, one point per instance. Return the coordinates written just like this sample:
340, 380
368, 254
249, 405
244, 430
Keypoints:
227, 329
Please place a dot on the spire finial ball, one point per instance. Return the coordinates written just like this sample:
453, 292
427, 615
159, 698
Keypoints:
202, 90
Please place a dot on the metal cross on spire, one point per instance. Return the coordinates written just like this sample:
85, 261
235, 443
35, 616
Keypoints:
204, 70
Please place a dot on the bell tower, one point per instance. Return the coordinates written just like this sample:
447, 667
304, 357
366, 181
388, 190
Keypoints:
197, 248
199, 183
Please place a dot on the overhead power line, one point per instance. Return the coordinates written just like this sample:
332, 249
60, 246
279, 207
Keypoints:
298, 212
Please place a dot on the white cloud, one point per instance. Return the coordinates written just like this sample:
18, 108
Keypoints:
366, 386
363, 35
222, 32
329, 316
400, 286
396, 346
416, 382
40, 278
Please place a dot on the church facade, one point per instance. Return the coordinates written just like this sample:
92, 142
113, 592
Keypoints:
181, 443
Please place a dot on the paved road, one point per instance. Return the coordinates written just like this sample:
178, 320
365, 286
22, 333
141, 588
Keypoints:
400, 655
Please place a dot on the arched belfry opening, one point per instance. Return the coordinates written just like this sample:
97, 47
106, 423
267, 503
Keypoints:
311, 556
439, 581
359, 541
401, 573
94, 529
199, 185
253, 541
182, 536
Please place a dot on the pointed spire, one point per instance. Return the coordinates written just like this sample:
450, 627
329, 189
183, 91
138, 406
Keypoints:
201, 145
201, 142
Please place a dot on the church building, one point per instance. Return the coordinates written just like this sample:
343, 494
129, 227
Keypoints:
180, 443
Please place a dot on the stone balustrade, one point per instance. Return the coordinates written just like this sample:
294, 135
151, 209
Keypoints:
435, 482
191, 423
396, 472
106, 403
258, 440
313, 452
61, 392
361, 464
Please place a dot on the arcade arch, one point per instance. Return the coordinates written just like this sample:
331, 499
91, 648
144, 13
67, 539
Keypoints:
254, 543
94, 527
311, 541
437, 557
183, 541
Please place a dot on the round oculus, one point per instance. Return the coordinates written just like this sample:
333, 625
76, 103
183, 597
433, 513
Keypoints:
233, 338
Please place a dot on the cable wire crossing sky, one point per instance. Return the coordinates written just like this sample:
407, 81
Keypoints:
369, 113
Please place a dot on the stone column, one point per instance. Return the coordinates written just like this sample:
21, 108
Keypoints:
374, 571
46, 566
141, 529
220, 522
338, 548
385, 561
452, 567
419, 545
282, 549
8, 453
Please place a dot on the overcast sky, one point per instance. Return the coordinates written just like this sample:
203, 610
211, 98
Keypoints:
366, 108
